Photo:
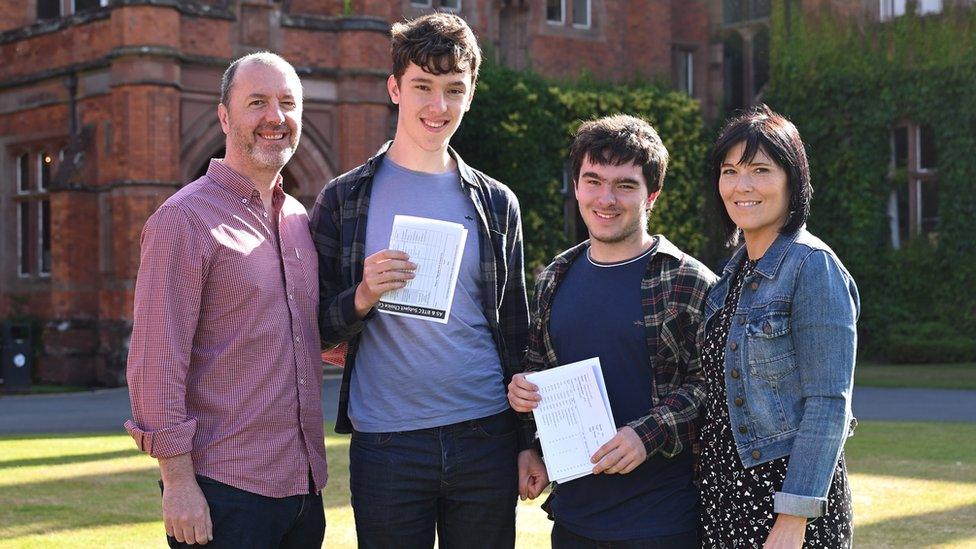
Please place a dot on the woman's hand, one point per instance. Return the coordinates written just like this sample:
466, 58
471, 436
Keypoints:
787, 532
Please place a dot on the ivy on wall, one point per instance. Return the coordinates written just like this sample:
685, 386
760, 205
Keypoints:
846, 85
519, 130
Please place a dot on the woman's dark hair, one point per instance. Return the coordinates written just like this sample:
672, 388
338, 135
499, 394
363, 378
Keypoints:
761, 128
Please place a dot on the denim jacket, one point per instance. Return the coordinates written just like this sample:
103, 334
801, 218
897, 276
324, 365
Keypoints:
789, 364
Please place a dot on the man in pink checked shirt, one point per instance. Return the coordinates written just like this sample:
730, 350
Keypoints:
224, 372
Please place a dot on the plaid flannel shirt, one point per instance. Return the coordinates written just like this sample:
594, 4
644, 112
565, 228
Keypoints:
338, 225
673, 293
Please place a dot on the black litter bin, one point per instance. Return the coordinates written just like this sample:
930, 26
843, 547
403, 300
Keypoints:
16, 357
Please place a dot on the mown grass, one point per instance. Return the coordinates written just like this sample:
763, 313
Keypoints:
914, 486
920, 376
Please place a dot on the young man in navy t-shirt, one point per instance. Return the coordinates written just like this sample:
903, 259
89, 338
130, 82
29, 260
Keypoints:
635, 301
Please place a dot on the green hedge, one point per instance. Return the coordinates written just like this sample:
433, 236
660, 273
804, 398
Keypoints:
519, 130
845, 85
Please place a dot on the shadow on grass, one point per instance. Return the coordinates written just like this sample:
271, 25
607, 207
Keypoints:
940, 527
68, 459
87, 501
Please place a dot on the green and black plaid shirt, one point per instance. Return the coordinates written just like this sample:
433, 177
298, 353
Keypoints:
338, 224
673, 294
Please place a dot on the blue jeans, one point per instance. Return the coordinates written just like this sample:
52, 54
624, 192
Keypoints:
461, 479
244, 519
562, 538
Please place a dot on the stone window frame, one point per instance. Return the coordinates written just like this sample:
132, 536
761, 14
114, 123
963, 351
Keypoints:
589, 15
562, 13
687, 53
31, 197
567, 15
914, 185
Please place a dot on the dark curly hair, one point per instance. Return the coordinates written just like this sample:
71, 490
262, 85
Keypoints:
620, 139
439, 43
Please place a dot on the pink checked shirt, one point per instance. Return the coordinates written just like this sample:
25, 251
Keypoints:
224, 360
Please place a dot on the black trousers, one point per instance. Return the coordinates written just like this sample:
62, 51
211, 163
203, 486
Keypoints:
243, 519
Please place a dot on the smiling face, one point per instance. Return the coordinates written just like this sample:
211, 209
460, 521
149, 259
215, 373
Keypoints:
614, 204
263, 118
430, 108
755, 195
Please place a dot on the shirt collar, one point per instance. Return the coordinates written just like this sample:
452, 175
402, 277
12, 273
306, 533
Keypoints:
771, 260
226, 177
661, 246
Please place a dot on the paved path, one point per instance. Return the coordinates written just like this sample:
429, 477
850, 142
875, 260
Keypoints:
105, 410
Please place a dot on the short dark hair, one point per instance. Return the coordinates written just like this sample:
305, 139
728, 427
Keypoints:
762, 128
439, 43
620, 139
266, 57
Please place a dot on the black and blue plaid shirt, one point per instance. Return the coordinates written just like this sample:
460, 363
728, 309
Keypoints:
338, 224
673, 292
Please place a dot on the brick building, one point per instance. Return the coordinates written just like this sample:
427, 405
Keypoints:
108, 106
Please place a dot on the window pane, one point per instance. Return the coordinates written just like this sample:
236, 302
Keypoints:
48, 9
420, 3
759, 9
23, 237
900, 143
83, 5
554, 11
683, 71
930, 207
901, 197
44, 161
451, 4
23, 173
893, 219
45, 229
581, 13
732, 11
929, 6
927, 157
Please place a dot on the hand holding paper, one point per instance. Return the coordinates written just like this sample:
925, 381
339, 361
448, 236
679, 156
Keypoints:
383, 271
523, 395
573, 417
622, 454
435, 247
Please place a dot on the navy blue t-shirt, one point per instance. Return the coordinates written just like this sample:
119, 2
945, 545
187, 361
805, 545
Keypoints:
597, 311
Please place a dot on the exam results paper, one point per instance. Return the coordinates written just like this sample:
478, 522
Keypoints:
574, 418
436, 247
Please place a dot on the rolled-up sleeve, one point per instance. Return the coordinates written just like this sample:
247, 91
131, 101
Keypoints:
166, 309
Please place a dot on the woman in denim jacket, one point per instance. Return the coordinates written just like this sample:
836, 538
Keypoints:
778, 348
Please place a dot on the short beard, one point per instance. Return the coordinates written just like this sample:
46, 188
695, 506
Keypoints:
266, 159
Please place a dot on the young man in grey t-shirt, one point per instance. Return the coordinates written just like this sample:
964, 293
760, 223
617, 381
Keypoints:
434, 443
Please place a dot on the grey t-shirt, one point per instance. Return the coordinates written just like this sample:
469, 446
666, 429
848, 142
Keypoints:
416, 374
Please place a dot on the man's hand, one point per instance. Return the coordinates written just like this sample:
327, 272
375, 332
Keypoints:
621, 454
186, 515
383, 271
533, 478
787, 533
523, 396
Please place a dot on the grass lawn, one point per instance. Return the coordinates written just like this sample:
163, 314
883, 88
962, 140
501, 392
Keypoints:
914, 486
922, 376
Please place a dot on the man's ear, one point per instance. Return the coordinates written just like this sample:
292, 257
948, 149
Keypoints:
222, 115
470, 100
394, 89
651, 198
